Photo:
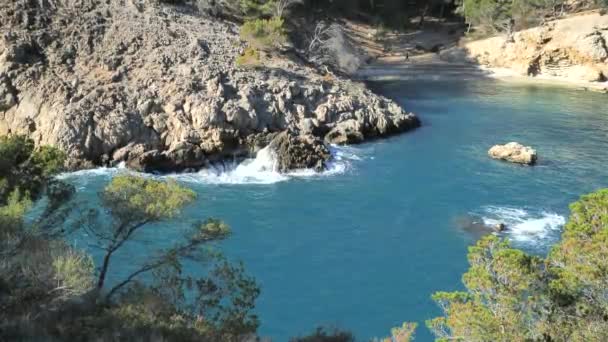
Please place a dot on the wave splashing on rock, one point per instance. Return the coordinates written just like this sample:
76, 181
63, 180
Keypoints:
264, 169
524, 225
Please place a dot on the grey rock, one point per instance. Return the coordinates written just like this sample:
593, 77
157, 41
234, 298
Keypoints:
299, 152
134, 90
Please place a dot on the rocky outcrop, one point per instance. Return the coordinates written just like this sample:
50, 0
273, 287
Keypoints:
157, 87
575, 48
514, 152
295, 152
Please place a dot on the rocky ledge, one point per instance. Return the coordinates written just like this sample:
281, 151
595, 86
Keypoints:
514, 152
573, 49
157, 87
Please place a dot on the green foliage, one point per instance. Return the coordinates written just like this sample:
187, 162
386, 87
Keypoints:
487, 15
11, 214
250, 58
41, 276
213, 229
257, 8
264, 34
25, 168
73, 272
512, 296
137, 199
219, 309
46, 275
404, 333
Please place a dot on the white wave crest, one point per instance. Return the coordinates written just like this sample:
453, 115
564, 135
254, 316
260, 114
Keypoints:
100, 171
524, 225
263, 169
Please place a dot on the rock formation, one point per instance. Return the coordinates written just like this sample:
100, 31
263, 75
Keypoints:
156, 86
299, 152
514, 152
575, 48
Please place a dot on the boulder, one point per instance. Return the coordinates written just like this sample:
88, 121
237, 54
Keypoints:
150, 161
514, 152
499, 227
295, 152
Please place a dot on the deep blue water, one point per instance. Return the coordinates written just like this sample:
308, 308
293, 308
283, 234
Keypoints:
364, 246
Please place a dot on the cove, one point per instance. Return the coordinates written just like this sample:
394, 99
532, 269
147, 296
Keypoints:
364, 245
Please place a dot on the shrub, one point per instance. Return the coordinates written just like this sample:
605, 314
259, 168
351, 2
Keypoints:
250, 58
264, 34
74, 272
257, 8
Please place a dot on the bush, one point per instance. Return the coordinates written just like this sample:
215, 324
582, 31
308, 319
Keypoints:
264, 34
257, 8
250, 58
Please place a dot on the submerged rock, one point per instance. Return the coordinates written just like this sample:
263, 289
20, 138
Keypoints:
295, 152
514, 152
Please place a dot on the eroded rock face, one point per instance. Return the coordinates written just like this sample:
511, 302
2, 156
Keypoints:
514, 152
113, 81
295, 152
574, 48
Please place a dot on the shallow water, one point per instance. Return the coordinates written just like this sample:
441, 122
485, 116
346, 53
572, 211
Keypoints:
364, 245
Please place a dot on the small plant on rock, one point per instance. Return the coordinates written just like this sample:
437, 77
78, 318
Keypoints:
250, 58
264, 34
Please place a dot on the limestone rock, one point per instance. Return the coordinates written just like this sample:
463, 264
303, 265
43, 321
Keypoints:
157, 87
573, 48
347, 132
295, 152
514, 152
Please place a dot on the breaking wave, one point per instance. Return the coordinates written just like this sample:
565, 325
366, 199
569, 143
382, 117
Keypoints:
523, 225
263, 169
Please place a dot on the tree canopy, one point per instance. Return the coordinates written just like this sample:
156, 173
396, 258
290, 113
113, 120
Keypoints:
513, 296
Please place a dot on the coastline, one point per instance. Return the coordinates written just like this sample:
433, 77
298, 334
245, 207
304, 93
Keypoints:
432, 68
508, 75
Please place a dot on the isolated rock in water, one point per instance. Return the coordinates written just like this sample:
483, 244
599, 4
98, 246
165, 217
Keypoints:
295, 152
500, 227
514, 152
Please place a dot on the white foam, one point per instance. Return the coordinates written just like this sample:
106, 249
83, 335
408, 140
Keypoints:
100, 171
524, 225
263, 169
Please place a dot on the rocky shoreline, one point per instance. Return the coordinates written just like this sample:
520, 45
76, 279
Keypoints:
157, 87
572, 50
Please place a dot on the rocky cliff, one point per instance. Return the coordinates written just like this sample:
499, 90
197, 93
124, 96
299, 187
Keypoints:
157, 86
575, 48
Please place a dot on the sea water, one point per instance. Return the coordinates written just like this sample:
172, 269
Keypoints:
363, 245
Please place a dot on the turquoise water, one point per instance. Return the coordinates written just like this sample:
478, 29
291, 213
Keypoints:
364, 245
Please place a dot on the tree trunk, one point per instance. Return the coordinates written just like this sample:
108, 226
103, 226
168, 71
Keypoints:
104, 269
